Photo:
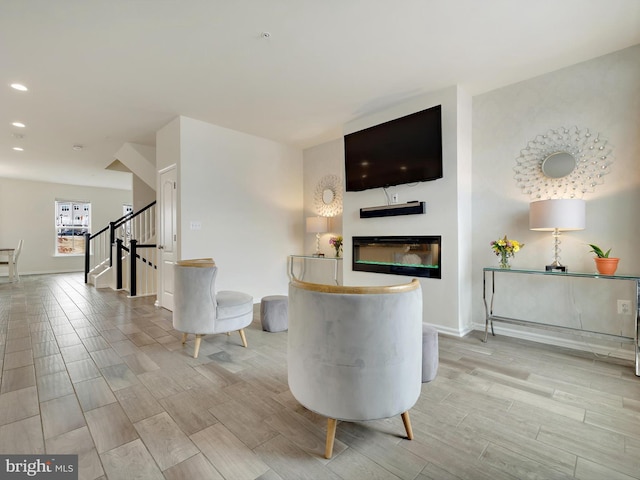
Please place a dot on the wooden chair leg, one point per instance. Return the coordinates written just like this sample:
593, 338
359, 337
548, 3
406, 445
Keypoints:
243, 338
184, 338
331, 436
197, 348
407, 425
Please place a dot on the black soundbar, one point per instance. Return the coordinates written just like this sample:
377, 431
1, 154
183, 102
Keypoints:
411, 208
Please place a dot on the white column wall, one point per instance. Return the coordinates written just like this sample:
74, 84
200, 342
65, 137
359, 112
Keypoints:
321, 160
464, 209
447, 211
246, 194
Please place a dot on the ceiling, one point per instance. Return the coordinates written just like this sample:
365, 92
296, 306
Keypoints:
104, 72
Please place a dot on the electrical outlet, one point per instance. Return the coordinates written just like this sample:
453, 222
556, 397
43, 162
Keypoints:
394, 198
624, 307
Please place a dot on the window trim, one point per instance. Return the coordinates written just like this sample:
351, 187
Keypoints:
72, 219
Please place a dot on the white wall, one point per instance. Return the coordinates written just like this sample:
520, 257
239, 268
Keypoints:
446, 300
478, 201
168, 145
603, 95
27, 211
464, 206
246, 192
321, 160
143, 194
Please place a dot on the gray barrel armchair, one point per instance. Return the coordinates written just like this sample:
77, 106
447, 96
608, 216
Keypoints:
355, 353
200, 310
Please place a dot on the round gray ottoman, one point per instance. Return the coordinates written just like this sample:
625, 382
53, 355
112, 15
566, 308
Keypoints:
274, 313
429, 353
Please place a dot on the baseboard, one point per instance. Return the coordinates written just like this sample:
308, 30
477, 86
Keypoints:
582, 345
451, 331
45, 272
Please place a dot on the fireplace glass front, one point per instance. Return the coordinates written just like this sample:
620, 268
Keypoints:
417, 256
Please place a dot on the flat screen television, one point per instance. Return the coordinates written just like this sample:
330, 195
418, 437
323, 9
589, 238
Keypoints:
405, 150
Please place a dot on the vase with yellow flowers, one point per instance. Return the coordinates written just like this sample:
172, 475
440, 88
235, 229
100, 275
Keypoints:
505, 249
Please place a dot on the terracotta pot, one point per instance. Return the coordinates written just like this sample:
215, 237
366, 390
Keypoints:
606, 266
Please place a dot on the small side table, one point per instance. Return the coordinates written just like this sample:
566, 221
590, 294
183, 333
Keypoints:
303, 259
490, 317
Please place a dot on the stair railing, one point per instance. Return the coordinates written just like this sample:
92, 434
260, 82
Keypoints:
140, 225
136, 268
129, 229
97, 251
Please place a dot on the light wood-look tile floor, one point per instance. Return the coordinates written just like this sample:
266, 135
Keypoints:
93, 373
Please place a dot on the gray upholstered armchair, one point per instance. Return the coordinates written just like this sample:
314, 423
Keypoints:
199, 309
355, 353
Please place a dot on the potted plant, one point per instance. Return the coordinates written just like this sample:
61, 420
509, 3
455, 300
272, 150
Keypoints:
604, 264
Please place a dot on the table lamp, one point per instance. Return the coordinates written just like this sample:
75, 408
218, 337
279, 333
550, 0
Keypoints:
557, 215
317, 225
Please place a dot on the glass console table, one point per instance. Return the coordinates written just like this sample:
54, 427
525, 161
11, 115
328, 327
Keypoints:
490, 317
303, 259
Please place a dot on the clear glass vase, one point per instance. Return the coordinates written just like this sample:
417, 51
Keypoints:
504, 260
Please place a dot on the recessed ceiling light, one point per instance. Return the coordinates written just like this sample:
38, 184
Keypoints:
77, 147
18, 149
19, 86
18, 124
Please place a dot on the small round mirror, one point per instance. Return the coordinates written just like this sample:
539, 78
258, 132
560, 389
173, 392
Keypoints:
327, 196
558, 165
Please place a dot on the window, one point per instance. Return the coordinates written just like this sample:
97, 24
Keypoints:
126, 210
73, 220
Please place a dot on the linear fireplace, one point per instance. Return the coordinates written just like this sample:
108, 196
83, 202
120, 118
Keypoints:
417, 256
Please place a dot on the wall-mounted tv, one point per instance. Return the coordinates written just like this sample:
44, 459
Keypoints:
405, 150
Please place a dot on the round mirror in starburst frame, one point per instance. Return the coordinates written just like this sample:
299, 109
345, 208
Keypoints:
563, 163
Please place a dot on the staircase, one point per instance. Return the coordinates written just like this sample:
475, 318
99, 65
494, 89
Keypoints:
122, 255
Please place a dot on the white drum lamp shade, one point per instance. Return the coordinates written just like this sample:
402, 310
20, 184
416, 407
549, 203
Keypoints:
564, 214
317, 225
556, 215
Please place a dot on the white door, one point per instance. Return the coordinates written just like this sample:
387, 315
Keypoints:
168, 236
